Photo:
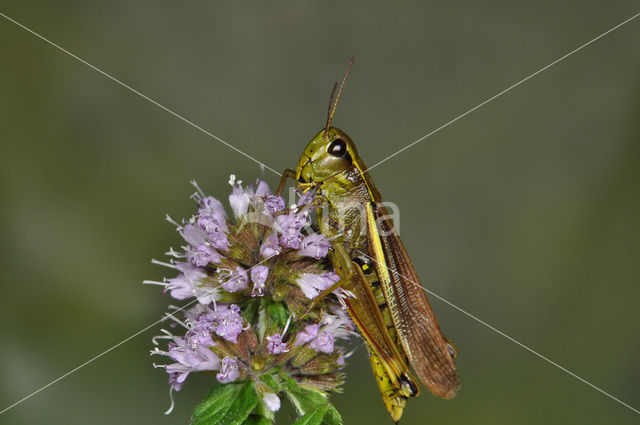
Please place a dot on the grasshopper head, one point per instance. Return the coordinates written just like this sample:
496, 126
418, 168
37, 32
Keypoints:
330, 152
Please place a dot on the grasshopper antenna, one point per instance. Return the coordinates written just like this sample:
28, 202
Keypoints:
334, 105
329, 117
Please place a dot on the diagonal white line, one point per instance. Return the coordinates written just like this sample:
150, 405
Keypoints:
91, 360
175, 114
577, 49
499, 332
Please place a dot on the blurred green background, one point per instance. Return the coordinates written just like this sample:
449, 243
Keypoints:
524, 213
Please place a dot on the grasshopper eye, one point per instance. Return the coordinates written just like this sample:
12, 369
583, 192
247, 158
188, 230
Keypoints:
337, 148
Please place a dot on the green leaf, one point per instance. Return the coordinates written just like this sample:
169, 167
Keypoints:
257, 420
227, 404
250, 309
262, 319
303, 399
332, 417
241, 406
217, 402
313, 417
271, 382
278, 313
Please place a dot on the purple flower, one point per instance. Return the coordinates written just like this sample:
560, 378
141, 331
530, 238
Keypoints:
315, 245
228, 322
207, 295
312, 284
263, 189
209, 225
331, 277
275, 344
338, 323
216, 232
188, 359
214, 265
305, 198
219, 241
216, 237
193, 235
200, 332
203, 255
289, 226
272, 401
323, 342
192, 314
190, 271
270, 246
184, 285
259, 276
176, 380
188, 284
181, 288
213, 208
239, 201
300, 219
229, 371
291, 238
274, 204
308, 334
238, 280
198, 358
212, 220
319, 340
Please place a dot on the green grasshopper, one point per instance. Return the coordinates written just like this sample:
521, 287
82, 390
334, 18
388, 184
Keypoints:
390, 308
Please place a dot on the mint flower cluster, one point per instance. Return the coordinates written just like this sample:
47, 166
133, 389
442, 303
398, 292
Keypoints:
249, 279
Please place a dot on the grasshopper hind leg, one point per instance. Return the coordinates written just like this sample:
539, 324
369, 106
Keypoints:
394, 396
408, 385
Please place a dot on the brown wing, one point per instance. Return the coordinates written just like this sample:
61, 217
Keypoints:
415, 322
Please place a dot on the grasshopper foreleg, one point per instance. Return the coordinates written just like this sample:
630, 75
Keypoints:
286, 174
345, 268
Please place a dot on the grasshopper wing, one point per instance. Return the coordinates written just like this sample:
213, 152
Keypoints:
413, 317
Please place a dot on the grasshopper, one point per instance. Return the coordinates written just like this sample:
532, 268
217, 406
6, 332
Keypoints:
390, 308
